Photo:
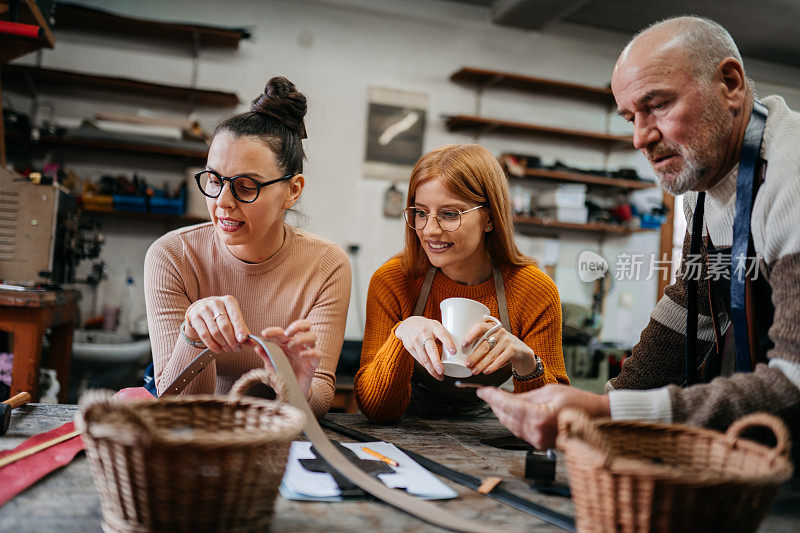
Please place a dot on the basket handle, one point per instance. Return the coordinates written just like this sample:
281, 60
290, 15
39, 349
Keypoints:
773, 423
95, 403
576, 423
259, 375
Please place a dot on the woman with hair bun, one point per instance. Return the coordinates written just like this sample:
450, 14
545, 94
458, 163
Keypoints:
207, 285
459, 243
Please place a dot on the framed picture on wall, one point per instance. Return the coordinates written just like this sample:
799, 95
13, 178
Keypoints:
395, 129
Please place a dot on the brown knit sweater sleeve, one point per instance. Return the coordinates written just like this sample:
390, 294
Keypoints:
658, 358
767, 388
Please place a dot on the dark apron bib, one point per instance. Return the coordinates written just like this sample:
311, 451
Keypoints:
719, 293
740, 291
431, 398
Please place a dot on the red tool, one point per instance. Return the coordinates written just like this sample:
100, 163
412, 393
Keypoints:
23, 30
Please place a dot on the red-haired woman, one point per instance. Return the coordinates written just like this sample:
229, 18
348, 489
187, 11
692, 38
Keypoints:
459, 243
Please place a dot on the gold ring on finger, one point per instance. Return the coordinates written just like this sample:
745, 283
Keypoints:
221, 313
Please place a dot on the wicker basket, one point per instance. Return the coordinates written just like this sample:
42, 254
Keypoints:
634, 476
194, 463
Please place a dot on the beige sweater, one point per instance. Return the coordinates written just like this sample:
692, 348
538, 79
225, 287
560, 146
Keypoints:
307, 277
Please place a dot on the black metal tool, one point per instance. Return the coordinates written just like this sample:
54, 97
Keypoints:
540, 466
500, 494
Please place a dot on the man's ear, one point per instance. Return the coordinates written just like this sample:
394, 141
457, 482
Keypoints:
293, 191
734, 82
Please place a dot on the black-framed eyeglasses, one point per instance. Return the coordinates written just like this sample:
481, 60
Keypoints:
244, 188
448, 219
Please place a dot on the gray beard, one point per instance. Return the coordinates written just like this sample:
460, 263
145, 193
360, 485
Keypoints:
701, 153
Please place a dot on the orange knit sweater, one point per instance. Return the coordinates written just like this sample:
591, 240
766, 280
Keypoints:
383, 382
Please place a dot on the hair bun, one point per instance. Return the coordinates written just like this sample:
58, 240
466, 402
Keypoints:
282, 101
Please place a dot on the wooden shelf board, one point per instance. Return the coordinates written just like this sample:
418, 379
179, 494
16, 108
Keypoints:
49, 79
486, 125
125, 146
589, 179
81, 18
492, 78
12, 47
597, 227
153, 217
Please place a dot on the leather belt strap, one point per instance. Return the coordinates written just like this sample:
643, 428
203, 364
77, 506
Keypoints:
691, 292
497, 493
742, 247
424, 510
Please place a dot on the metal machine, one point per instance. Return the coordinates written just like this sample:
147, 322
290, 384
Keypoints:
42, 238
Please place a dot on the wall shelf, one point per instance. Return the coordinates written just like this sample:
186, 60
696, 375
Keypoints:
11, 46
483, 78
489, 125
531, 224
26, 77
180, 220
126, 146
81, 18
574, 177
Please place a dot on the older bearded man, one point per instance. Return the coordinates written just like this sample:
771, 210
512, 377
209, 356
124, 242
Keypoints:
681, 83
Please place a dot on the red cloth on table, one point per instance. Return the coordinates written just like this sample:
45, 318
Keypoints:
20, 475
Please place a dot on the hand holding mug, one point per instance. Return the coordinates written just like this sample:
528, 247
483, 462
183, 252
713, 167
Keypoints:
418, 335
498, 349
459, 317
216, 321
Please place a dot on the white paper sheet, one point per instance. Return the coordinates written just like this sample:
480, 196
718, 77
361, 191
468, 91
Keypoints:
300, 484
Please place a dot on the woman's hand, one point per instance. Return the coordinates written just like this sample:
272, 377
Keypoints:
507, 349
299, 344
218, 322
418, 335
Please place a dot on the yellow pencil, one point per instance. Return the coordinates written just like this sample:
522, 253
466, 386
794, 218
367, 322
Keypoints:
381, 457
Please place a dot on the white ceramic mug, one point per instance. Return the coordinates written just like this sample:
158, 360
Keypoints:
459, 315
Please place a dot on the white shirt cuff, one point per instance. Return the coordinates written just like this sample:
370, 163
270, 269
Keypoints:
645, 405
790, 370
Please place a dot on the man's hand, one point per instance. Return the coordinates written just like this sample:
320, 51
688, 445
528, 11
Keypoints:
533, 415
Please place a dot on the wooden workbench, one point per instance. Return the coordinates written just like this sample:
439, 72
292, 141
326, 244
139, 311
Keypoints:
66, 501
27, 315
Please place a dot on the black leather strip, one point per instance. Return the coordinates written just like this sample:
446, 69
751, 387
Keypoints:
692, 279
555, 518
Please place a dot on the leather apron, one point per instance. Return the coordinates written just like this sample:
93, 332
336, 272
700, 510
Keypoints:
431, 398
743, 294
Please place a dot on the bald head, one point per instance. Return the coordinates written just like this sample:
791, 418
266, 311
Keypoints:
682, 84
703, 43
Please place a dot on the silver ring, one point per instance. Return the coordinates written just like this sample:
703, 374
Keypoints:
426, 340
492, 341
222, 313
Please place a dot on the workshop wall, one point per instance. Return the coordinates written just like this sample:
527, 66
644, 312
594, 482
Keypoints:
334, 51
